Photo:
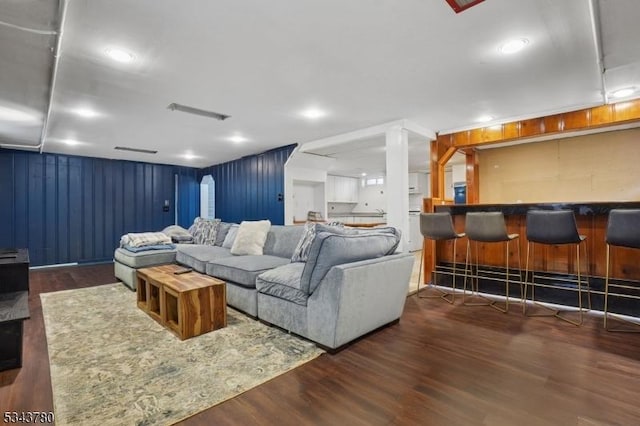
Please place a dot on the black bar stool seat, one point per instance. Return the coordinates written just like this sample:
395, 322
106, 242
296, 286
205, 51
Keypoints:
438, 227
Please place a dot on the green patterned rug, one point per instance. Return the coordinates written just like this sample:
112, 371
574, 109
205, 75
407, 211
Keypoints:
111, 364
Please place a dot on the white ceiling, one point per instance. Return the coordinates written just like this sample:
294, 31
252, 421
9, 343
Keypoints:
369, 156
364, 62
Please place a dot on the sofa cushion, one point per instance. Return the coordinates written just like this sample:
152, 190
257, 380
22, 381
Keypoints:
329, 249
196, 256
251, 237
283, 282
143, 259
282, 240
243, 270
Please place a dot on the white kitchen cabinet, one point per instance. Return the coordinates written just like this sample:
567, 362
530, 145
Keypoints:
330, 187
413, 183
342, 189
418, 183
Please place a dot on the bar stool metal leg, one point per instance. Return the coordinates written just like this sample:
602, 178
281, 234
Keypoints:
438, 227
449, 297
553, 312
469, 273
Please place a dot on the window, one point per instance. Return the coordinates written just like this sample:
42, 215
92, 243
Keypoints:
373, 181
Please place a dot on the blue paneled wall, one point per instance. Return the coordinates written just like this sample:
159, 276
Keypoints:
74, 209
251, 188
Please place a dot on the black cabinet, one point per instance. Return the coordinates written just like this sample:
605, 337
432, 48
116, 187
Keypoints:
14, 305
14, 270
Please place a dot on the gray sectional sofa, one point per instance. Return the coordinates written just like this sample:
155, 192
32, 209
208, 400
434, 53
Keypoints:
351, 284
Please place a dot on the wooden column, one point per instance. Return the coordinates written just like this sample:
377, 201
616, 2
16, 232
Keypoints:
472, 176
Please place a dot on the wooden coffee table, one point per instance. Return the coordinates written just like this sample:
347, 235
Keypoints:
188, 304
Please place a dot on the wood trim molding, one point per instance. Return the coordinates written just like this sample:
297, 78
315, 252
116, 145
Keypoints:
574, 121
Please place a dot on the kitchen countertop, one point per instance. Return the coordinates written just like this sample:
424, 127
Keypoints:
351, 225
360, 214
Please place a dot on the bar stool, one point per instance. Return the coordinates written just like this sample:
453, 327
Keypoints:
623, 230
438, 227
488, 227
553, 227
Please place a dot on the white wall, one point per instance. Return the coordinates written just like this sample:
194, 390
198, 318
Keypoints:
304, 179
372, 197
448, 185
307, 196
459, 173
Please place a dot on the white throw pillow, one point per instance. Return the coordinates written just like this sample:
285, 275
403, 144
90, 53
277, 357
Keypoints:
251, 237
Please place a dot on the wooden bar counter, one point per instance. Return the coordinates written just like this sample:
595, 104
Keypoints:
591, 219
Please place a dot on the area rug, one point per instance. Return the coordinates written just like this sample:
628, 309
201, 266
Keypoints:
111, 364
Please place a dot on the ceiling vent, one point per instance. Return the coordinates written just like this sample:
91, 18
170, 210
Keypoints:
460, 5
191, 110
144, 151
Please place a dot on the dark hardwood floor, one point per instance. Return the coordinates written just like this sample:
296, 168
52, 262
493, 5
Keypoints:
441, 365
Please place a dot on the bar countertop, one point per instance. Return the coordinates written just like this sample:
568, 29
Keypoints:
579, 208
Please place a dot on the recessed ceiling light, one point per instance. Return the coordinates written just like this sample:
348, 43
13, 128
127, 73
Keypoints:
11, 114
70, 142
189, 156
364, 174
484, 118
119, 55
623, 93
313, 113
513, 46
85, 112
238, 139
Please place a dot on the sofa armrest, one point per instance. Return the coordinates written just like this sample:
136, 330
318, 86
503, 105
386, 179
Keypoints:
356, 298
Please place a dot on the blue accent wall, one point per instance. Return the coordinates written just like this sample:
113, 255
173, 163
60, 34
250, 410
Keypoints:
68, 209
251, 188
74, 209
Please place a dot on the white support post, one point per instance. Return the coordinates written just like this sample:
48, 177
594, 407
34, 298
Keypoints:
397, 146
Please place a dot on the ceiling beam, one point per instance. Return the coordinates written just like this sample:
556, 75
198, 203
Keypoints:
369, 132
54, 72
596, 31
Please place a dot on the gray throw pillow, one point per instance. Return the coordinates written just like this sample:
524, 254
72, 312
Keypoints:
223, 230
330, 249
301, 252
231, 236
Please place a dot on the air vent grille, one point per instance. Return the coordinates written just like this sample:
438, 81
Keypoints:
460, 5
144, 151
197, 111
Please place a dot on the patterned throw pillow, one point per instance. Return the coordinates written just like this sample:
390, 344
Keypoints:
301, 253
204, 231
